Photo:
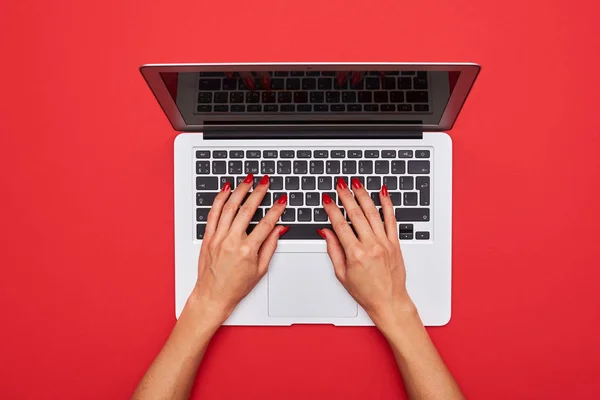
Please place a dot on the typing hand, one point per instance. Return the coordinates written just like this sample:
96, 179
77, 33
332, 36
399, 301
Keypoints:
369, 262
231, 262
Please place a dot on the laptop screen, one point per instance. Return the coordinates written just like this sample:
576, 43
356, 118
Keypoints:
312, 95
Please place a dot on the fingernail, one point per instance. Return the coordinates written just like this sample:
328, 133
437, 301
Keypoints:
382, 74
284, 230
266, 81
249, 178
341, 183
355, 78
341, 78
249, 82
282, 199
226, 187
326, 198
264, 180
229, 74
321, 232
356, 183
384, 191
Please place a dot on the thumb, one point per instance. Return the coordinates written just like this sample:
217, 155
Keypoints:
267, 249
336, 253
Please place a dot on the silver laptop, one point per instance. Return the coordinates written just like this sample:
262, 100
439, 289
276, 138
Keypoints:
305, 125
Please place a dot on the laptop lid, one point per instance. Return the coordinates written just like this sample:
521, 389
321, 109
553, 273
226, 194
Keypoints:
406, 96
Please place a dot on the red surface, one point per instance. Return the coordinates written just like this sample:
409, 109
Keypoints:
86, 167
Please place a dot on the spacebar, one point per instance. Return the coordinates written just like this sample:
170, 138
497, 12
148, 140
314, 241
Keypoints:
299, 231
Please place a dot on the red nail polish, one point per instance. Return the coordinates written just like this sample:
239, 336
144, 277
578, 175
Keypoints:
249, 83
282, 199
284, 230
249, 178
382, 74
229, 74
226, 187
384, 191
341, 78
355, 78
321, 232
266, 81
341, 183
264, 180
326, 198
356, 183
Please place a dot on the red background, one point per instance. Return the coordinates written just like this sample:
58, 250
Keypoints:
86, 167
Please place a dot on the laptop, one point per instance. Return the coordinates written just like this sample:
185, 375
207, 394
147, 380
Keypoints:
305, 125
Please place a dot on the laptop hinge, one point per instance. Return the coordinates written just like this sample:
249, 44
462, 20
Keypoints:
214, 133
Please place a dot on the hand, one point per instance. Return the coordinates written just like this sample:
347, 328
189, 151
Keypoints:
231, 262
369, 262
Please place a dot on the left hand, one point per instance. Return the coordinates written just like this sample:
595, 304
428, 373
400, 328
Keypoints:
232, 262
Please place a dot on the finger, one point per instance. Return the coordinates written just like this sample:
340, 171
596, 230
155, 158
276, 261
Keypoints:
246, 212
336, 253
368, 207
212, 221
267, 249
268, 222
339, 224
355, 213
389, 218
232, 206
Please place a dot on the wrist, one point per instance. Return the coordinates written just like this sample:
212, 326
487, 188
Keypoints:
204, 313
398, 316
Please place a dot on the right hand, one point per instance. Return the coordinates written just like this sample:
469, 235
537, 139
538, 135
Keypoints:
369, 262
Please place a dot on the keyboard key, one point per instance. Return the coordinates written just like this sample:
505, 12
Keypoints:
374, 183
308, 183
287, 108
254, 108
284, 97
332, 167
277, 84
300, 97
398, 167
317, 97
252, 97
324, 83
380, 97
354, 107
328, 73
304, 154
321, 107
336, 85
219, 167
304, 108
388, 153
390, 182
271, 108
250, 167
320, 215
423, 188
338, 153
372, 83
284, 167
365, 167
235, 167
422, 235
316, 167
286, 153
408, 72
371, 153
397, 97
332, 97
239, 180
406, 183
203, 167
355, 153
389, 83
309, 84
255, 183
270, 154
277, 195
324, 182
371, 107
395, 197
238, 108
361, 179
229, 179
365, 97
348, 97
205, 97
269, 97
304, 215
405, 227
404, 83
205, 199
281, 73
252, 153
422, 154
200, 229
333, 195
207, 183
420, 83
292, 183
292, 84
405, 154
300, 167
267, 167
349, 167
209, 84
405, 235
321, 153
296, 199
276, 183
242, 84
405, 214
204, 108
418, 167
421, 107
388, 107
417, 97
289, 215
376, 199
344, 178
404, 107
313, 199
219, 154
236, 154
382, 167
257, 215
337, 107
410, 198
221, 108
202, 153
236, 97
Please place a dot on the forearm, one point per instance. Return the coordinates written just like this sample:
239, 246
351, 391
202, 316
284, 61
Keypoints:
173, 371
424, 373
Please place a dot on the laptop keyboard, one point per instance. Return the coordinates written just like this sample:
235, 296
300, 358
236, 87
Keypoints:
315, 91
305, 174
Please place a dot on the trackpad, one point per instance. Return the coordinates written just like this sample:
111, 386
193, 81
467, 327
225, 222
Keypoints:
303, 285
